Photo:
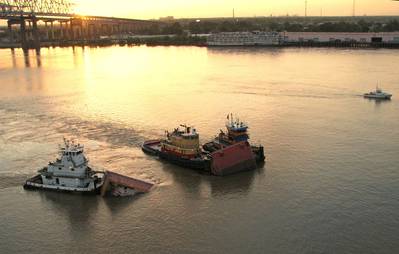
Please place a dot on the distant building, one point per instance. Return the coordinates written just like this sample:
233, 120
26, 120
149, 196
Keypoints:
392, 37
167, 19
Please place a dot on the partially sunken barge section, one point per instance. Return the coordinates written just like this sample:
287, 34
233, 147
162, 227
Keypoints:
227, 154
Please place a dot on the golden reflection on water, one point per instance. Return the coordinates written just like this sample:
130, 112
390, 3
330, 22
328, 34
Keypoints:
329, 152
160, 87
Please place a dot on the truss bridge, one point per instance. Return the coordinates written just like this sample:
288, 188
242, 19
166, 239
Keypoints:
31, 22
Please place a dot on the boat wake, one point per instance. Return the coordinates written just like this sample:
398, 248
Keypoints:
297, 95
29, 135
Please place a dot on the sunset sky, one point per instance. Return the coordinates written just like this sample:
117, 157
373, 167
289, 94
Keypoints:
223, 8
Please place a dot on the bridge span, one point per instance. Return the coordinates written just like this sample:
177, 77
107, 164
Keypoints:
31, 22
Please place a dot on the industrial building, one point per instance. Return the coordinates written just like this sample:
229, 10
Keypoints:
293, 37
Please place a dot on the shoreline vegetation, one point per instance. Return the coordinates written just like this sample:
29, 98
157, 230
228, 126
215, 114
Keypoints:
134, 41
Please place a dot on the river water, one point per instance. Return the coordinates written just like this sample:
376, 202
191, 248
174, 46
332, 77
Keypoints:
330, 184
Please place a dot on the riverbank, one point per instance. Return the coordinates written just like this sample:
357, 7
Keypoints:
131, 41
195, 41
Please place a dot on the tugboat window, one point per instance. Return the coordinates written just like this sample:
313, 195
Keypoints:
57, 181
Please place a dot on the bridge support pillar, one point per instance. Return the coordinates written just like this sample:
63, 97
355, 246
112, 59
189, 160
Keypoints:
66, 30
24, 43
91, 31
70, 29
52, 30
61, 32
35, 31
9, 30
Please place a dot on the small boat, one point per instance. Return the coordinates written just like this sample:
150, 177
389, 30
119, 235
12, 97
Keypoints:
237, 131
70, 172
180, 147
378, 94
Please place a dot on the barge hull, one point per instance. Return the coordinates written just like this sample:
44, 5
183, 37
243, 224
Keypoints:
153, 148
233, 159
200, 164
32, 184
258, 151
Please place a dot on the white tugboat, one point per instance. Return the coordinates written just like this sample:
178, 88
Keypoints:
378, 94
69, 173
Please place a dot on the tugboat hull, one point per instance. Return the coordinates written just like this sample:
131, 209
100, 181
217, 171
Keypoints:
198, 164
153, 147
378, 97
35, 183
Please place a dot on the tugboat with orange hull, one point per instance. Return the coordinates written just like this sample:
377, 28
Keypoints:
180, 147
220, 157
237, 132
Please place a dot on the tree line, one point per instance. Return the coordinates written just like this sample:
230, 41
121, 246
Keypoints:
205, 27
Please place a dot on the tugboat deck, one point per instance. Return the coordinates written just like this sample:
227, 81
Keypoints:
152, 147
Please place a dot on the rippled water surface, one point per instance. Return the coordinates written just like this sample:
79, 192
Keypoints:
330, 184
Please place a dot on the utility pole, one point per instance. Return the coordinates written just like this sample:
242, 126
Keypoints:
354, 8
306, 8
